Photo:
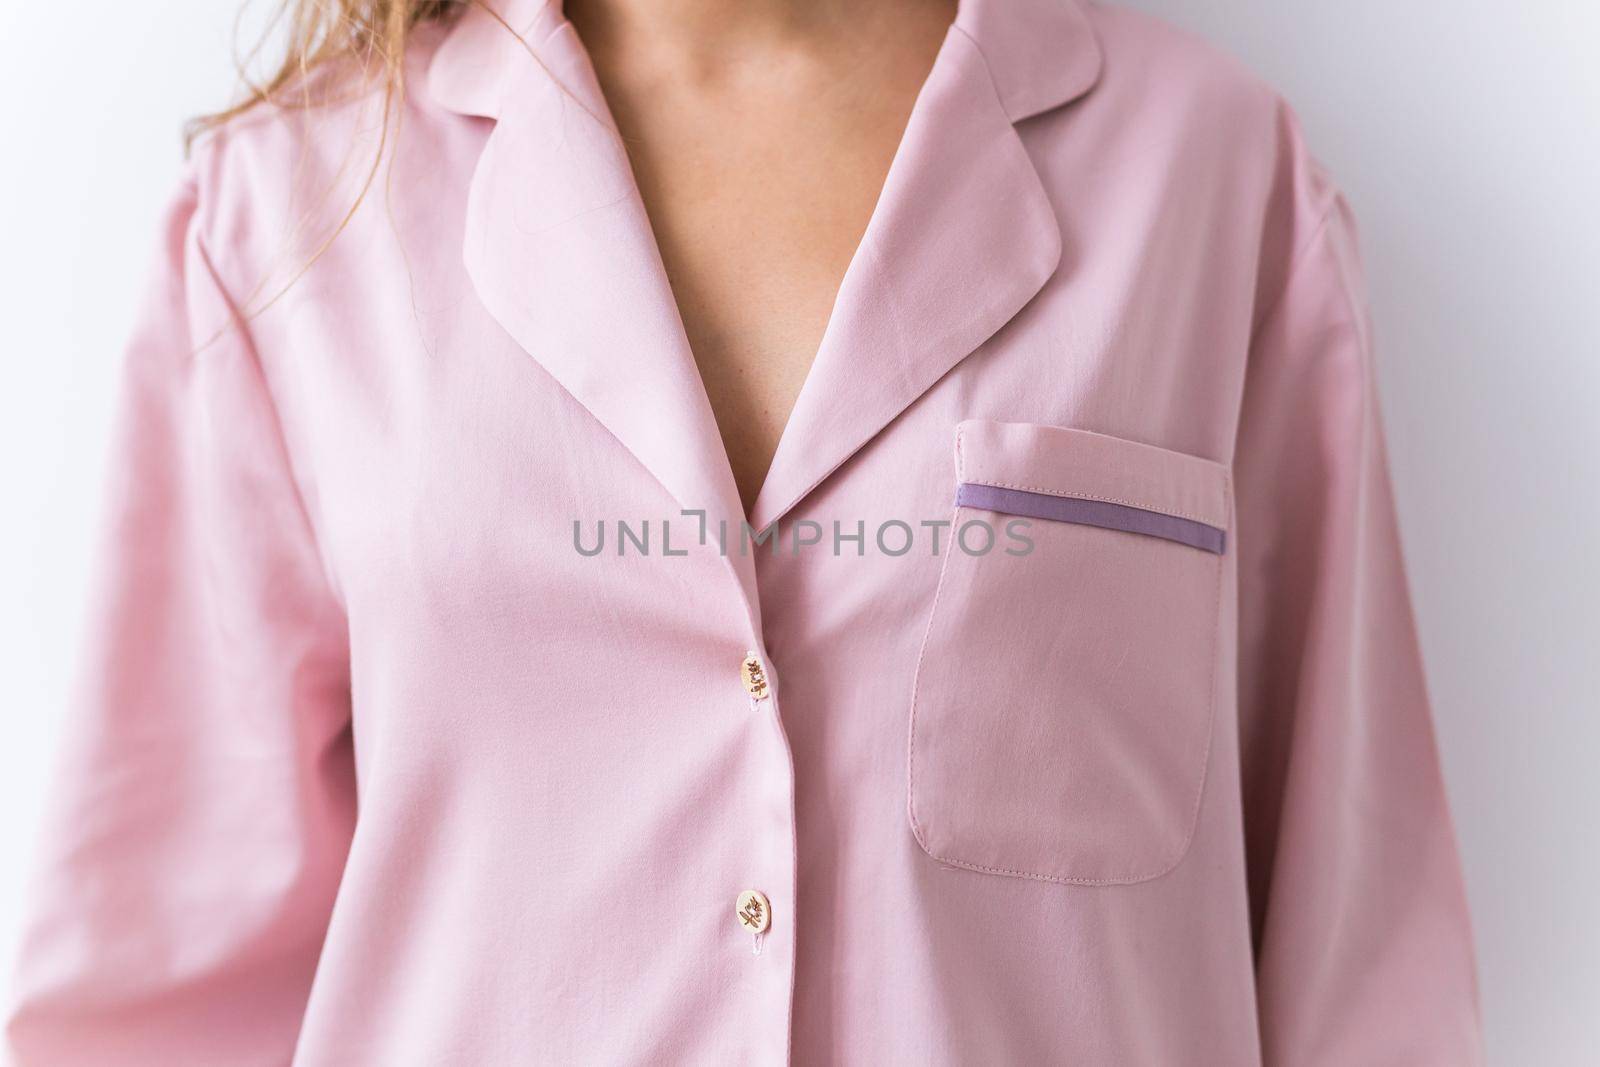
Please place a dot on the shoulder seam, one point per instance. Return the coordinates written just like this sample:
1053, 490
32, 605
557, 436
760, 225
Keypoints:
239, 324
1296, 261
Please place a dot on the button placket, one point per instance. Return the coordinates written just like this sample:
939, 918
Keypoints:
753, 909
766, 822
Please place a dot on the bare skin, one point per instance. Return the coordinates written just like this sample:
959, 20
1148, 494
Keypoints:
760, 133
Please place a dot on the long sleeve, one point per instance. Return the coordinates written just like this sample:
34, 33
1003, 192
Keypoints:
205, 799
1363, 947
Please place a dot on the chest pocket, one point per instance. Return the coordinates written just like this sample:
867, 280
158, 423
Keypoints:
1062, 710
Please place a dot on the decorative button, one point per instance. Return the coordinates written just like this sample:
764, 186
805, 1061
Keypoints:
755, 914
754, 676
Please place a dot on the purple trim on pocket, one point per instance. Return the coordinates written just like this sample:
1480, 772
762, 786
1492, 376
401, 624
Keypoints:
1100, 513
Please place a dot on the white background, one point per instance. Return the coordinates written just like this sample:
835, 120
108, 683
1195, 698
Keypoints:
1467, 136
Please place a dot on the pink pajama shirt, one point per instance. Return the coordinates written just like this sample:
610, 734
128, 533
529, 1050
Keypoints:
1058, 701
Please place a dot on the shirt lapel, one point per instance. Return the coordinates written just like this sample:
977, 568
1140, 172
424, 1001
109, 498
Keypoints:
560, 250
964, 235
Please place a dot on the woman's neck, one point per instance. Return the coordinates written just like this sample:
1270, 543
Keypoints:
697, 38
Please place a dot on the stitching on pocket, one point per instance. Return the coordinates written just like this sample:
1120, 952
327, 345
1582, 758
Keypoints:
1142, 505
919, 832
1102, 514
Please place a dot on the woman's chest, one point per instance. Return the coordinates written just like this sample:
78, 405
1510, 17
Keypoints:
452, 468
518, 579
